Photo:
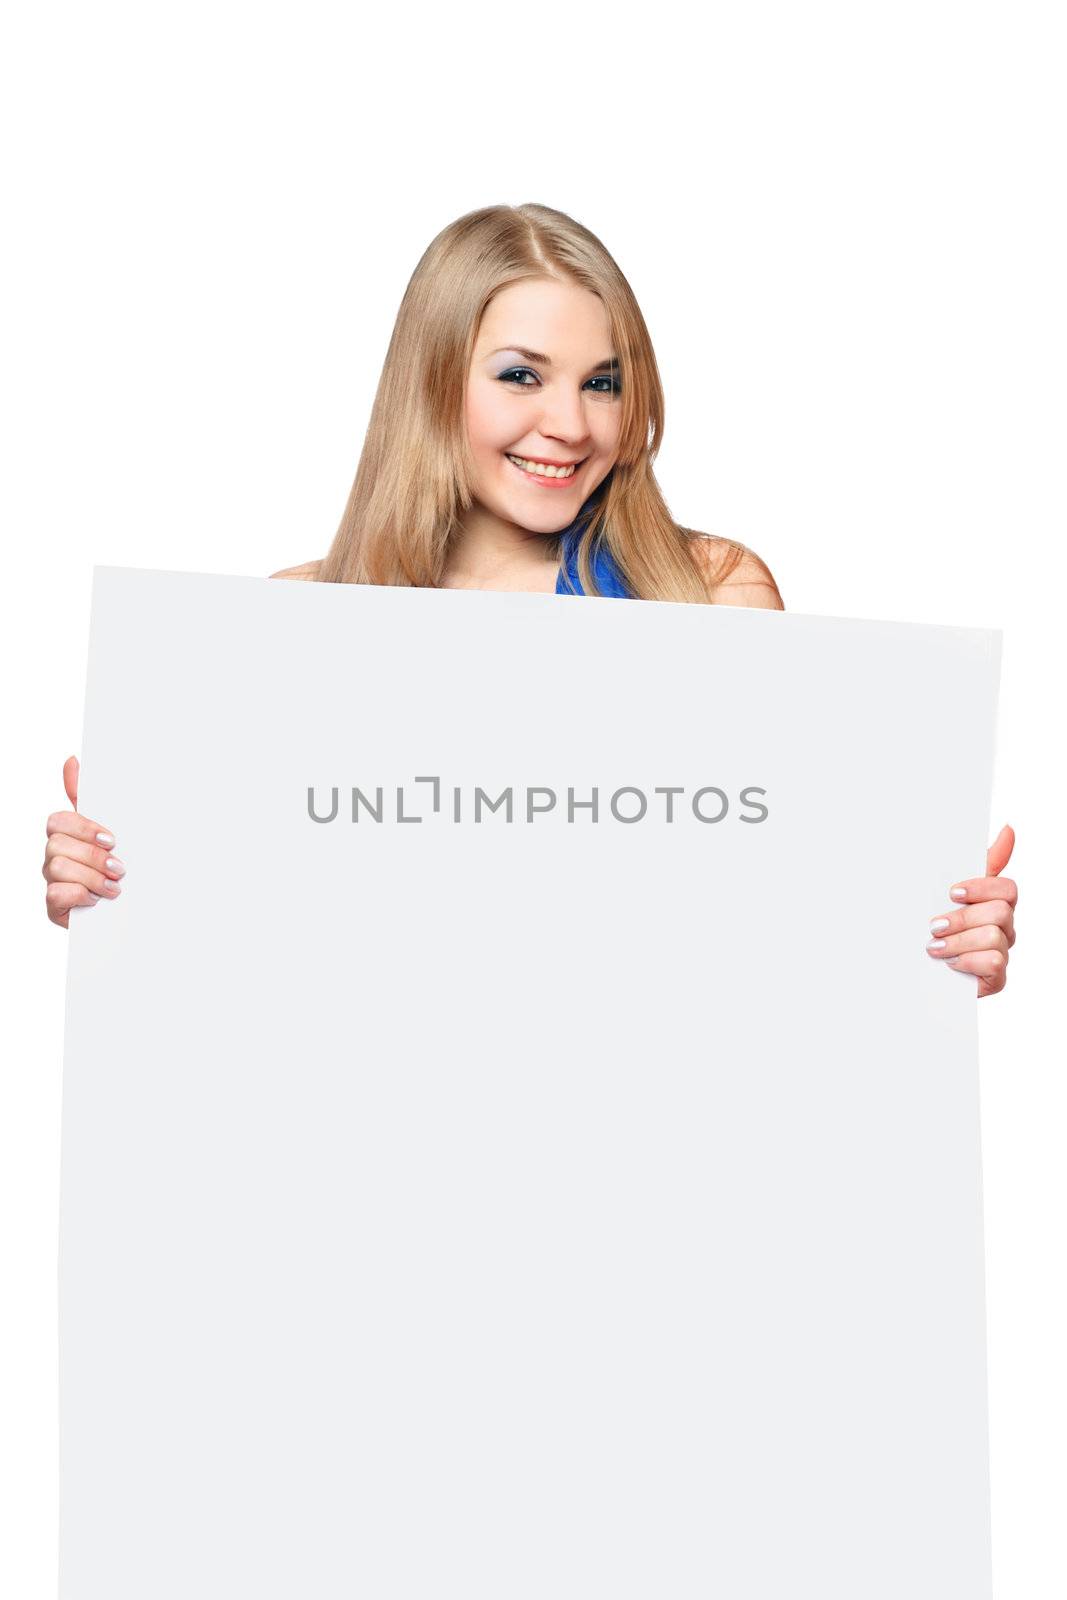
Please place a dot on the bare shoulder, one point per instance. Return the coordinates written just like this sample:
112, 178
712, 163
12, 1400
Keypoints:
735, 575
307, 571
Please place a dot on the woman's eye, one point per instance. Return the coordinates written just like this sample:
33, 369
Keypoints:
515, 374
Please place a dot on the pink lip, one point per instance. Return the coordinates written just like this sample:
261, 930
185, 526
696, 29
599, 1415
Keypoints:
539, 478
549, 461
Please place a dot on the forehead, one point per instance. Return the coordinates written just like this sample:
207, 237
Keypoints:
563, 320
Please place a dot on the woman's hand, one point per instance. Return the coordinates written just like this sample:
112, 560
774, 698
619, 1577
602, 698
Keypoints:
977, 937
78, 867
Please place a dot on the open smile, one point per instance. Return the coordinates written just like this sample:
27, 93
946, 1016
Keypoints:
549, 477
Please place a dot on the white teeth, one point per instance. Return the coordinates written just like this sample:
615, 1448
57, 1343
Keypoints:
545, 472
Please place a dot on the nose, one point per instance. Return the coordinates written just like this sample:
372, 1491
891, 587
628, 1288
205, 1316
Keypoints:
563, 417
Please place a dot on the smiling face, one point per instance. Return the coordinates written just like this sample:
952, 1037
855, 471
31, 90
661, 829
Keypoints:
542, 388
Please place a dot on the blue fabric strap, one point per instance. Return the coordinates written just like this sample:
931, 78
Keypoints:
608, 577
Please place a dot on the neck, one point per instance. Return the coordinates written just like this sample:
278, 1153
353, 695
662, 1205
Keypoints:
487, 552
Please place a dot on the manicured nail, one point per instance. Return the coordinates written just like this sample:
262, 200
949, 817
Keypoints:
113, 864
938, 924
113, 888
950, 961
936, 944
958, 894
106, 839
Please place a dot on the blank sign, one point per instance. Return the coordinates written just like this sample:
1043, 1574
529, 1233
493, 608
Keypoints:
515, 1144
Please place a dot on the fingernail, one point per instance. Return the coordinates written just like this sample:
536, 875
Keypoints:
936, 944
106, 839
958, 894
113, 864
113, 888
950, 961
938, 924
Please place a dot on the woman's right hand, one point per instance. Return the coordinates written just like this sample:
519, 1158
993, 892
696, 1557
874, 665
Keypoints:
78, 865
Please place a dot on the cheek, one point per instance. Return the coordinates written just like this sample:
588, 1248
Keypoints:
607, 432
487, 421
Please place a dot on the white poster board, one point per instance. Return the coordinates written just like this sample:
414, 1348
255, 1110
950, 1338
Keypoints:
557, 1207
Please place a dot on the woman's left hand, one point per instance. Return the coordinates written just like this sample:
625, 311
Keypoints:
977, 937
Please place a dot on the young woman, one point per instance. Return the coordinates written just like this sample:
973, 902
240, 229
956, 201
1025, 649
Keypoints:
510, 446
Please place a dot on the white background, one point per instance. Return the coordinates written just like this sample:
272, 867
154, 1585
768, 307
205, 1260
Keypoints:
845, 226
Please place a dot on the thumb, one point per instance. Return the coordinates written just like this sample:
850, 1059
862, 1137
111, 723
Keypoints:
1000, 851
71, 769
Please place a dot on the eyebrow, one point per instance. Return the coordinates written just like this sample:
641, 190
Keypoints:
609, 363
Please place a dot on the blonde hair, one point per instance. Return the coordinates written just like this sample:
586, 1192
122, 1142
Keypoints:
413, 481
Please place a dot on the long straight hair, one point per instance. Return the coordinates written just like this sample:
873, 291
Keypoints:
415, 474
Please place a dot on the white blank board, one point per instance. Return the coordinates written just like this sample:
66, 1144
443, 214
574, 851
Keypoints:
548, 1209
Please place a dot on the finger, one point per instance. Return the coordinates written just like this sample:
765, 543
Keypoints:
970, 940
61, 898
61, 869
90, 855
988, 965
71, 769
972, 890
976, 916
75, 826
1000, 851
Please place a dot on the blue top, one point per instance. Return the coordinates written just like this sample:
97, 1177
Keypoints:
607, 574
